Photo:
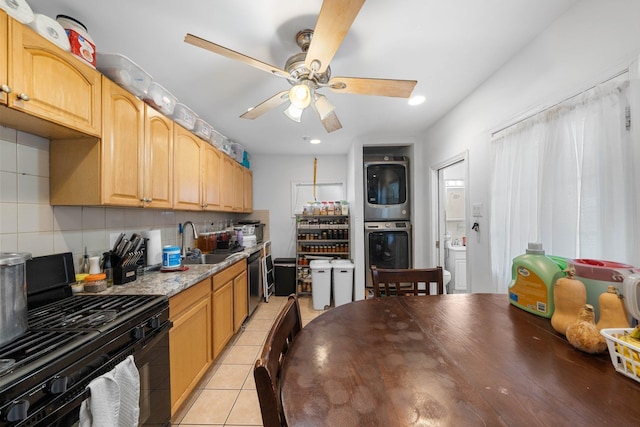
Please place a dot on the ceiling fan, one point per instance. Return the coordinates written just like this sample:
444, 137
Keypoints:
309, 70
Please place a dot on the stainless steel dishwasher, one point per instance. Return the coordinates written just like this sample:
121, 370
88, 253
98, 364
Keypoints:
254, 282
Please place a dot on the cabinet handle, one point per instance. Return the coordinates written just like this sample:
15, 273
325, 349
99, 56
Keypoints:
5, 88
149, 200
23, 96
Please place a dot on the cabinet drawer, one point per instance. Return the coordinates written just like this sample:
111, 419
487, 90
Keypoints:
229, 273
182, 301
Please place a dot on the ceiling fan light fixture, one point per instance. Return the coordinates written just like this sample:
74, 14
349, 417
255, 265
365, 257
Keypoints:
294, 113
323, 106
300, 96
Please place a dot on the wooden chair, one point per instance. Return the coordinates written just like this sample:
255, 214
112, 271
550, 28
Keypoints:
405, 281
267, 369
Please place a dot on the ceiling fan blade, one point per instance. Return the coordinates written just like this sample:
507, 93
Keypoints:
379, 87
276, 100
331, 122
334, 21
232, 54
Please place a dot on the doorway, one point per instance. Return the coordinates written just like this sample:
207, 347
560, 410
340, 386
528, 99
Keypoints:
452, 212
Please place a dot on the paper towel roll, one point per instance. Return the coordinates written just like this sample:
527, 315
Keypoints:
154, 246
50, 30
18, 10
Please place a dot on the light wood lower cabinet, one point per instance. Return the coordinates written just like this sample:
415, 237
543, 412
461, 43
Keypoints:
203, 319
222, 317
240, 300
225, 299
189, 340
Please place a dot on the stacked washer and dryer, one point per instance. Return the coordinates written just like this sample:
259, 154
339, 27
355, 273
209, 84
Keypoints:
387, 214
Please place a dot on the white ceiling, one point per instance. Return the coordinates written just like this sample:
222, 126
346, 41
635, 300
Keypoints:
449, 47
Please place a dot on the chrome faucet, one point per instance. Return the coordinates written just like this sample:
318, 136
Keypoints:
184, 229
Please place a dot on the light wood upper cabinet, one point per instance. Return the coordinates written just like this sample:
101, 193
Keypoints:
4, 55
226, 183
158, 160
238, 187
211, 178
187, 169
122, 146
49, 83
248, 190
130, 166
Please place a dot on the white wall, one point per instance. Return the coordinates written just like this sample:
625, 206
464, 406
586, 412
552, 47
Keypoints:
591, 42
272, 179
28, 223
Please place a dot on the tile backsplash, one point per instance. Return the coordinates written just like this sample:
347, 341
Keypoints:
29, 224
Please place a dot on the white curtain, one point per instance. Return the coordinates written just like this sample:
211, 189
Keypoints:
567, 178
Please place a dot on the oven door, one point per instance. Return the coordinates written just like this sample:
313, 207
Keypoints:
155, 386
388, 245
151, 356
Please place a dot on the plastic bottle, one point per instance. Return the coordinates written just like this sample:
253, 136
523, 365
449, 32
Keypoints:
533, 275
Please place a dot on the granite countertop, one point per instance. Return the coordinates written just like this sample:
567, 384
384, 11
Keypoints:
172, 283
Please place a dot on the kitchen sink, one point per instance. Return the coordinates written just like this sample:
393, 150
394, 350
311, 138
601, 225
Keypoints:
207, 259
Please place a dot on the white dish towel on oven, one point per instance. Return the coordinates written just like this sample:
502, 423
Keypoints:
114, 400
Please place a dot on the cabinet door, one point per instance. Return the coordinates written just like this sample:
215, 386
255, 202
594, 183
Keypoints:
460, 268
226, 183
187, 191
4, 56
240, 300
238, 187
189, 349
158, 163
58, 86
222, 317
122, 146
211, 178
248, 190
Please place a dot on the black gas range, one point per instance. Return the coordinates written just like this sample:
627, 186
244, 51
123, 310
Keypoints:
45, 372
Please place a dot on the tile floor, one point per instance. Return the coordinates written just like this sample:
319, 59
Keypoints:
226, 395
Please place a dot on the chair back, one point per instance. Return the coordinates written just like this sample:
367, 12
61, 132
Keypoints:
267, 369
393, 282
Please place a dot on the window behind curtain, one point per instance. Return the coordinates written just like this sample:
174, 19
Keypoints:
566, 177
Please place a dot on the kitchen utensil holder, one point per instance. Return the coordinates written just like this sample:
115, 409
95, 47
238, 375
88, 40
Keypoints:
124, 271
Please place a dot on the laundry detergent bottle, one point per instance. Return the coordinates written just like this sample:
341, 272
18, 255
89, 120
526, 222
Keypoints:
533, 275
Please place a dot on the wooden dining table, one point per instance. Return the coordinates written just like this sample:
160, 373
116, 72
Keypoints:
447, 360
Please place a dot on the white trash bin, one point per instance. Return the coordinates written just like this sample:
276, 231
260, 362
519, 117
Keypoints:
342, 281
320, 283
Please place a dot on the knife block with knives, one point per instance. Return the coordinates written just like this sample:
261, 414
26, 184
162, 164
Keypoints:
124, 258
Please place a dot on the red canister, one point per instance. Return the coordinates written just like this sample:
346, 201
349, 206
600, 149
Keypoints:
81, 43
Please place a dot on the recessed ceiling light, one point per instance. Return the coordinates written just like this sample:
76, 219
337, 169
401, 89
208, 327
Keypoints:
315, 141
416, 100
